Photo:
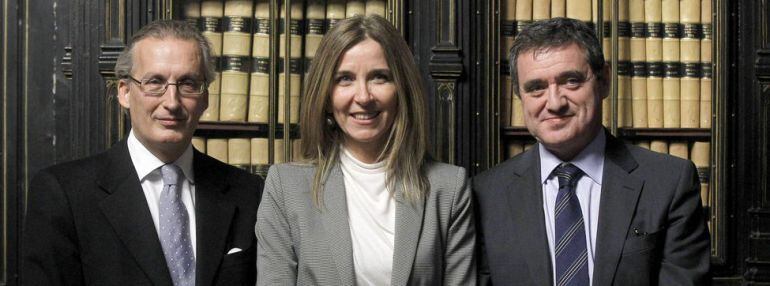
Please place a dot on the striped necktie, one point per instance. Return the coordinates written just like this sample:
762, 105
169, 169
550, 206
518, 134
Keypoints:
570, 250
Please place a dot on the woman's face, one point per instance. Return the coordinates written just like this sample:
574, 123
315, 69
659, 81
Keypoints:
364, 99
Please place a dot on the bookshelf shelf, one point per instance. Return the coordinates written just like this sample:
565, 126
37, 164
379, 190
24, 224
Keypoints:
665, 133
241, 129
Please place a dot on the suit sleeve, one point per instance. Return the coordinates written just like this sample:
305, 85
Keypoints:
686, 253
482, 266
50, 252
460, 268
276, 260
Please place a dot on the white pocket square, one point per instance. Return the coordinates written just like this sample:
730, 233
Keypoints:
234, 250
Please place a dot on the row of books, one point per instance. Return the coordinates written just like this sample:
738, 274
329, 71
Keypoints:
664, 58
240, 35
247, 153
699, 152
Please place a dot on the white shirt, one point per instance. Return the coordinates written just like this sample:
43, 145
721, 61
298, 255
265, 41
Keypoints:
148, 168
372, 219
588, 191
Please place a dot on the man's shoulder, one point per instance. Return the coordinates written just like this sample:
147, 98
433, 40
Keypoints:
84, 167
648, 158
508, 167
232, 173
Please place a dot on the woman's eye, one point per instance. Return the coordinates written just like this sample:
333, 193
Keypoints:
344, 79
380, 78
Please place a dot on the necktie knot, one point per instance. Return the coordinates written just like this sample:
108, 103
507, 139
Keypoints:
171, 174
568, 174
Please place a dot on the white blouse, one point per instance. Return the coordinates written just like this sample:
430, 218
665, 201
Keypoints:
372, 219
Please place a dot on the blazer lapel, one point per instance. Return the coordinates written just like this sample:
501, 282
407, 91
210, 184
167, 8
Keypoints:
213, 218
408, 226
525, 196
126, 209
335, 220
620, 193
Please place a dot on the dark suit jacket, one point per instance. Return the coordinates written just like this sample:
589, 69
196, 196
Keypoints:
651, 230
88, 223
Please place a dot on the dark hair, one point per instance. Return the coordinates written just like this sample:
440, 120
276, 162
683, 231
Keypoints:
555, 33
163, 29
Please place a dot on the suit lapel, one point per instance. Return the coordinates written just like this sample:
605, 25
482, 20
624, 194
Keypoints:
408, 225
620, 193
525, 197
335, 220
213, 217
126, 209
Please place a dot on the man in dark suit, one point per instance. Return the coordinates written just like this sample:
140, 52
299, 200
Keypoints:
582, 207
151, 210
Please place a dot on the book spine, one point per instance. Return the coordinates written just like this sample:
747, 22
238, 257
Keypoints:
335, 11
239, 152
700, 154
217, 148
541, 10
375, 7
672, 65
259, 86
691, 63
355, 7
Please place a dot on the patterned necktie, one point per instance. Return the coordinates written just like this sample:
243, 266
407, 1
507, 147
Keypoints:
175, 228
571, 254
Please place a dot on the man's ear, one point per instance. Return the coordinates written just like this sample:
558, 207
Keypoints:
123, 94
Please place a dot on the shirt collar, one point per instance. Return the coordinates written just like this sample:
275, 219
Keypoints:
590, 160
145, 162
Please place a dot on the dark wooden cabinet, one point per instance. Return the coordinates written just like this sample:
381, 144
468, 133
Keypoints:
58, 103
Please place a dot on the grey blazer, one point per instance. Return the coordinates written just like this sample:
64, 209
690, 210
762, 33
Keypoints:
300, 244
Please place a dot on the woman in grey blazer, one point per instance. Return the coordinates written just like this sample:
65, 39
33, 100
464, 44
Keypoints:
366, 205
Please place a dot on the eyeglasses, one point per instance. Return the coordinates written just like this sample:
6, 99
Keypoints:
156, 87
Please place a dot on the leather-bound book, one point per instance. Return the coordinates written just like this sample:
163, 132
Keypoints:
691, 63
700, 154
706, 61
375, 7
660, 146
239, 152
644, 144
514, 148
654, 58
211, 24
523, 13
679, 149
541, 10
638, 63
296, 65
212, 112
259, 157
199, 143
217, 148
259, 86
236, 61
579, 9
314, 29
192, 13
335, 11
235, 87
672, 65
355, 7
559, 8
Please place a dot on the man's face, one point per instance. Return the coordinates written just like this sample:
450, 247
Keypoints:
164, 123
561, 98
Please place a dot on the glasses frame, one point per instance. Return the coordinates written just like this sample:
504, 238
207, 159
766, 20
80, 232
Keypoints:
202, 90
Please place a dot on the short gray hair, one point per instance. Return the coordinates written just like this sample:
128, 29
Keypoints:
163, 29
555, 33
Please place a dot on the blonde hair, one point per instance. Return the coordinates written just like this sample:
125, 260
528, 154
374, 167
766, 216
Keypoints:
405, 151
